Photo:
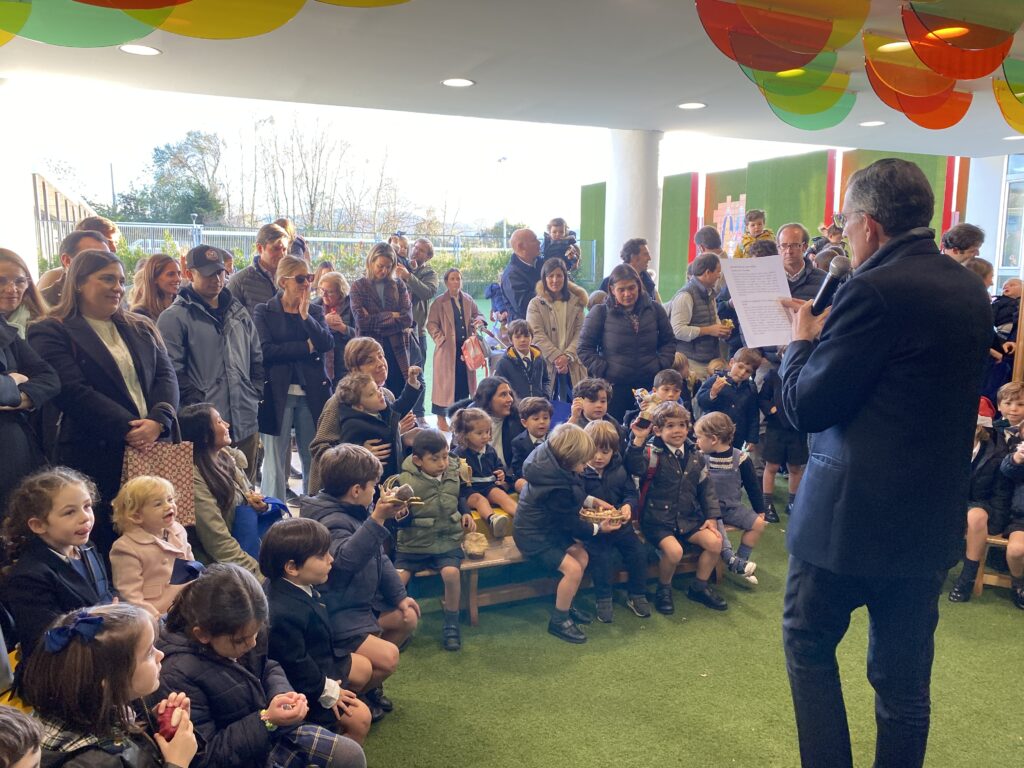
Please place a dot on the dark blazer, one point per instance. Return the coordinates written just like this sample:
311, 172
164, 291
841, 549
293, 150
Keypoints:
738, 402
531, 380
284, 337
522, 447
300, 641
94, 401
41, 586
23, 447
870, 501
990, 488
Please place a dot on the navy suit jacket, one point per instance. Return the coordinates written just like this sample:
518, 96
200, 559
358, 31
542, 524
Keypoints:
891, 389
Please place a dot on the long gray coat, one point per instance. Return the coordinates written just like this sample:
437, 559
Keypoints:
441, 328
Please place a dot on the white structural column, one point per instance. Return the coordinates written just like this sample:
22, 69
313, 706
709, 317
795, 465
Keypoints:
633, 196
16, 197
985, 189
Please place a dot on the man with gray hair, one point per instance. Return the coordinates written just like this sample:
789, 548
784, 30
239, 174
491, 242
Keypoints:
694, 316
880, 517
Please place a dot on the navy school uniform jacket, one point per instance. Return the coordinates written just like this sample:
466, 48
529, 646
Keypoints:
991, 489
548, 513
614, 485
738, 402
300, 641
42, 586
522, 447
483, 466
527, 376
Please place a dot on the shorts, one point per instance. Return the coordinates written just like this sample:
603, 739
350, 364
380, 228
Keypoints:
785, 446
1015, 526
550, 551
482, 488
741, 517
416, 561
350, 644
654, 534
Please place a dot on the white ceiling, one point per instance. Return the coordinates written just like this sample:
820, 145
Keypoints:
611, 63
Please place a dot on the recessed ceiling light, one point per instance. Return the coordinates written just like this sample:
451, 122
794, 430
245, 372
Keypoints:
139, 50
1018, 137
458, 82
899, 45
872, 123
790, 73
692, 105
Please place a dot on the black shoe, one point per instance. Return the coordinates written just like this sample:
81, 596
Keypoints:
376, 696
580, 616
771, 516
663, 600
567, 630
960, 593
1018, 597
708, 597
451, 638
376, 713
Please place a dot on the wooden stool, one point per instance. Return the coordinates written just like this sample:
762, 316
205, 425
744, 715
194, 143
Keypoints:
992, 579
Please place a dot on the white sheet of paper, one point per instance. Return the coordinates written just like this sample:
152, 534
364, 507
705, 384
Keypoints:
756, 285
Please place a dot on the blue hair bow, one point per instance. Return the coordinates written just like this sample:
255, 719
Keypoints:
85, 625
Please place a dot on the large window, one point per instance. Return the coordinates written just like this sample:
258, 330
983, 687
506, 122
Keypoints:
1010, 257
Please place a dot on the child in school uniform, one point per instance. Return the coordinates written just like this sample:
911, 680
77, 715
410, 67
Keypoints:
732, 470
430, 536
783, 444
535, 416
471, 430
295, 557
1013, 468
57, 568
152, 560
364, 414
668, 388
523, 364
548, 525
679, 504
371, 613
590, 403
606, 478
733, 393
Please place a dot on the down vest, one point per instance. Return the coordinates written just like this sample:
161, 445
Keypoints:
436, 526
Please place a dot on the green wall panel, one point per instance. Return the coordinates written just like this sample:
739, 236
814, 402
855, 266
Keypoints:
933, 166
675, 233
592, 202
789, 189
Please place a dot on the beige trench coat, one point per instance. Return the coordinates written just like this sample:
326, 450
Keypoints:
540, 314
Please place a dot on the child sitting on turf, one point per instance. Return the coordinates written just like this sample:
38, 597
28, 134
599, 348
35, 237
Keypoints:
988, 507
535, 415
784, 444
679, 505
734, 394
523, 364
364, 414
371, 613
152, 560
471, 430
606, 478
668, 388
548, 525
296, 558
430, 536
57, 568
731, 470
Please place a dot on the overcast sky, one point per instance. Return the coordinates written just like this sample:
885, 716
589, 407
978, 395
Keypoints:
437, 159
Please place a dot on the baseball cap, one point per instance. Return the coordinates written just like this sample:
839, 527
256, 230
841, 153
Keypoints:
207, 260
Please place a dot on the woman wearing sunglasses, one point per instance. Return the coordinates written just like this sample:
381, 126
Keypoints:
295, 338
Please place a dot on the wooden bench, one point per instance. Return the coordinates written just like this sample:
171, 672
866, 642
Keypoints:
504, 552
992, 579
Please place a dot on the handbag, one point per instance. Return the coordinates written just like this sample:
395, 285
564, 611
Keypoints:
474, 353
250, 526
172, 461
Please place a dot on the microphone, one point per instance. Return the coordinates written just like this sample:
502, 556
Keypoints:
838, 271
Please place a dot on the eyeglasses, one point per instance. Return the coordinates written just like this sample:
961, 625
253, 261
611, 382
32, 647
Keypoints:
21, 283
791, 246
300, 279
842, 219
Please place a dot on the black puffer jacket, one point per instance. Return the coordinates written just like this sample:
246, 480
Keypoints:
611, 349
549, 504
226, 698
614, 485
361, 570
681, 496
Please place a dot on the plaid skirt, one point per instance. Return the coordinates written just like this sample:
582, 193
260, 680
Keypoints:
311, 745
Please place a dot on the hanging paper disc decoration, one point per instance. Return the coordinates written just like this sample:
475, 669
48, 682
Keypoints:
13, 16
364, 3
1009, 105
134, 5
223, 19
950, 60
78, 25
821, 120
901, 70
970, 24
738, 40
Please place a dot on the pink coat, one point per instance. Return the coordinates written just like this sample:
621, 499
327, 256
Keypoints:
141, 564
441, 327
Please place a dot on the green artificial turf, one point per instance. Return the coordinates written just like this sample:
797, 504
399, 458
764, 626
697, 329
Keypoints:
699, 688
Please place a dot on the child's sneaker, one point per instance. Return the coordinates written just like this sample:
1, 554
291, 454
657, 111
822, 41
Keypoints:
770, 515
663, 600
638, 605
451, 638
500, 525
604, 610
741, 566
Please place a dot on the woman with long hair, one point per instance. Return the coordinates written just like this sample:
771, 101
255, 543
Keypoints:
495, 397
20, 300
382, 308
555, 316
220, 485
157, 286
295, 339
118, 386
451, 319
